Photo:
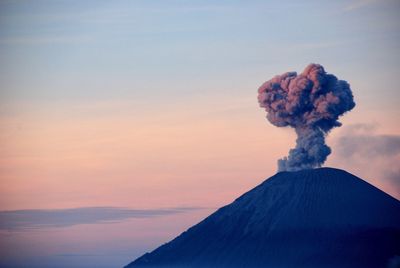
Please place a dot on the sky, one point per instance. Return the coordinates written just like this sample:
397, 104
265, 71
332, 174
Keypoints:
153, 104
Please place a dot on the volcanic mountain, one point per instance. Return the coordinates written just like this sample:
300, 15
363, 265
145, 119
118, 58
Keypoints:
311, 218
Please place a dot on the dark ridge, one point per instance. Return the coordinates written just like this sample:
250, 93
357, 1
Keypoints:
322, 217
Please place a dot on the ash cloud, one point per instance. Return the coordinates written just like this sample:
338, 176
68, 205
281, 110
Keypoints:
311, 103
374, 156
362, 140
370, 145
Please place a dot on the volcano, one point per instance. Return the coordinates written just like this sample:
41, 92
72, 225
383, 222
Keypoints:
311, 218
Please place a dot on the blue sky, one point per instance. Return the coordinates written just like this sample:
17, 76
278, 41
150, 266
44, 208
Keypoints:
100, 50
116, 82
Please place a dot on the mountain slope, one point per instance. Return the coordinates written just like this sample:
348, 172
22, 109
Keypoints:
312, 218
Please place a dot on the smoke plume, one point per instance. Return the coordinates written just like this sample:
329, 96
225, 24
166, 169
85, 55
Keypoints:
311, 103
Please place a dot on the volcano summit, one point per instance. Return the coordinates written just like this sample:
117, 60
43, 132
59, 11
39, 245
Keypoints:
310, 218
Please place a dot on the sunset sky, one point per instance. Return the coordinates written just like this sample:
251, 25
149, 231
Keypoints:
152, 104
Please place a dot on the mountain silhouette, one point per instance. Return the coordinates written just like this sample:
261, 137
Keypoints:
311, 218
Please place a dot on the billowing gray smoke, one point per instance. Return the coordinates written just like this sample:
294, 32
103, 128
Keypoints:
311, 103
